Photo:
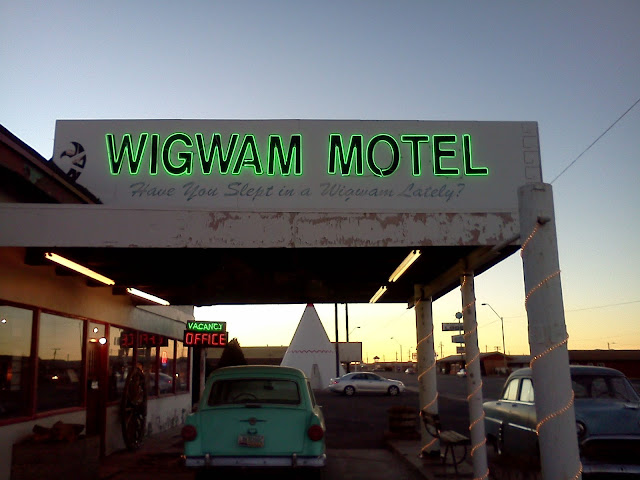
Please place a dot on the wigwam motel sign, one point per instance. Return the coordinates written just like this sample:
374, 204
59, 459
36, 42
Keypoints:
301, 165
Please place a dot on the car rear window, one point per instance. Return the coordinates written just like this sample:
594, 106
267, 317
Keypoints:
611, 387
241, 391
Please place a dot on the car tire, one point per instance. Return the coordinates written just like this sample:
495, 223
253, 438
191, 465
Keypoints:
393, 390
349, 391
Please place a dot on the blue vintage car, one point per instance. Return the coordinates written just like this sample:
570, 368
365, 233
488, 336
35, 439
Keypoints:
256, 416
607, 410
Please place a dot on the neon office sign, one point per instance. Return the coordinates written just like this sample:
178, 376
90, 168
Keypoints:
301, 165
205, 333
180, 153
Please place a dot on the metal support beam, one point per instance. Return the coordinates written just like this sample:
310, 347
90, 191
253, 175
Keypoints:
337, 349
559, 454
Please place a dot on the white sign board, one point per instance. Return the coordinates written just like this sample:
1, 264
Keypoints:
301, 165
350, 351
452, 327
457, 338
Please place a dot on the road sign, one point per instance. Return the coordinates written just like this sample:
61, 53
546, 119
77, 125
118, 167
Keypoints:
452, 327
460, 350
457, 338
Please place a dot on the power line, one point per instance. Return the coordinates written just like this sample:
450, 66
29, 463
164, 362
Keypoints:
596, 140
595, 307
603, 306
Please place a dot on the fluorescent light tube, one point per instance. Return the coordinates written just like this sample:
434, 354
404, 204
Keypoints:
147, 296
406, 263
65, 262
378, 294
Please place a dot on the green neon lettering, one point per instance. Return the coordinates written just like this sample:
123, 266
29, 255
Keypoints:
440, 153
133, 157
276, 153
205, 326
336, 154
395, 152
155, 144
185, 157
216, 152
469, 169
416, 160
249, 143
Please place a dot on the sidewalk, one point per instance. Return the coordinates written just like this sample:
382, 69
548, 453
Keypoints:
434, 469
159, 458
161, 450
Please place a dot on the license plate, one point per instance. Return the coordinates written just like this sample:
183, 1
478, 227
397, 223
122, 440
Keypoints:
253, 441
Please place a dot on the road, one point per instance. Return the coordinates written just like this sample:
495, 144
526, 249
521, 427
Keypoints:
349, 417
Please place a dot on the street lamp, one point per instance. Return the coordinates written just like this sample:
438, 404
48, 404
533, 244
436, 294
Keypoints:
400, 348
504, 351
352, 330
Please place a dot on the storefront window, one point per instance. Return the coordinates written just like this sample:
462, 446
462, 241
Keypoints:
147, 361
167, 375
59, 362
120, 362
182, 367
15, 361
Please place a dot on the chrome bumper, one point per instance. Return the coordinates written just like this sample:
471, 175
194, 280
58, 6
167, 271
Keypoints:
610, 468
292, 461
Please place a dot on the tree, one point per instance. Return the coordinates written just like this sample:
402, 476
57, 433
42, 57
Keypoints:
232, 355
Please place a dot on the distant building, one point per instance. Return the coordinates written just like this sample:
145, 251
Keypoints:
627, 361
492, 363
254, 355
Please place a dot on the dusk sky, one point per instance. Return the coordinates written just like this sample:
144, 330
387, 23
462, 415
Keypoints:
571, 66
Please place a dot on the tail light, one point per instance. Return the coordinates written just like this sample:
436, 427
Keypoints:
334, 381
189, 433
315, 433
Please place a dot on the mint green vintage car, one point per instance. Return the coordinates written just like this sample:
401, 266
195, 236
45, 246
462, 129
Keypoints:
256, 416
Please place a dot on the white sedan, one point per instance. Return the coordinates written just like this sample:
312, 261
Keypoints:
363, 382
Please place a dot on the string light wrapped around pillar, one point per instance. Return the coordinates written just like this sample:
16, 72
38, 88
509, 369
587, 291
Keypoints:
539, 224
478, 389
428, 369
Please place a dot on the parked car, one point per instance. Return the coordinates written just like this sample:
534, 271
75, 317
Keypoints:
461, 373
607, 411
410, 370
255, 416
166, 382
362, 382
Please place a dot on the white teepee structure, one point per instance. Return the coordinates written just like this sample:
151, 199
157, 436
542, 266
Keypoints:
311, 351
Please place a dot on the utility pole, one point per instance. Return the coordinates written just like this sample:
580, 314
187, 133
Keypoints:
504, 350
337, 345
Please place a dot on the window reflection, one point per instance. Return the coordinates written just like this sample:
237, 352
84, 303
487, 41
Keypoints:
120, 363
182, 367
15, 361
59, 362
166, 377
147, 362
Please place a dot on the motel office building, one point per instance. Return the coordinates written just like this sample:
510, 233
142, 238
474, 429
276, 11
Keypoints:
66, 345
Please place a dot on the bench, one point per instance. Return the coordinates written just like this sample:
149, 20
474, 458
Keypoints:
448, 438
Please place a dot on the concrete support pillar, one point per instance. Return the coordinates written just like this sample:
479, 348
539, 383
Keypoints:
428, 391
202, 359
559, 453
474, 378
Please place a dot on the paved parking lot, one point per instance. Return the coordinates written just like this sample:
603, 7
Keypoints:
356, 442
